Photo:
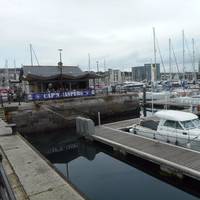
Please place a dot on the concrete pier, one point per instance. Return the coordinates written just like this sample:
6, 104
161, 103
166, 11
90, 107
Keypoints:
30, 175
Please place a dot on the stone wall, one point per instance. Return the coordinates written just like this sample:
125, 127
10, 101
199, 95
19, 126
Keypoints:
52, 115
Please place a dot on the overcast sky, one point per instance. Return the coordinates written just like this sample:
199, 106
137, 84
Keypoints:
119, 31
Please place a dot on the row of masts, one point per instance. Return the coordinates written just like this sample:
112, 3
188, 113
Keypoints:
97, 64
172, 52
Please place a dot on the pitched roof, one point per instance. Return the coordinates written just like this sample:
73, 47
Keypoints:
46, 71
53, 72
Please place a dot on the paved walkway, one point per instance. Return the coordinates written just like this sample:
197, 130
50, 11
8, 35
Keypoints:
30, 176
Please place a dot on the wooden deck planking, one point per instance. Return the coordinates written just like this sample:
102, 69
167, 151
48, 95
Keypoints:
174, 154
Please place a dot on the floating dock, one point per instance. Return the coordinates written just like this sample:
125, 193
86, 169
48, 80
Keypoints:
172, 159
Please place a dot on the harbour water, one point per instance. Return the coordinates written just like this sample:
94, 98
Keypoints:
98, 173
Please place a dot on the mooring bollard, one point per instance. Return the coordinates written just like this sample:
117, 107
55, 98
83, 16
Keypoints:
99, 118
84, 126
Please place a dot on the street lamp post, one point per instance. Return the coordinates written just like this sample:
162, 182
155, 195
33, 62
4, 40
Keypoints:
60, 64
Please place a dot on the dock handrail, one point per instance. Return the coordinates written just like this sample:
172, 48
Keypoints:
6, 192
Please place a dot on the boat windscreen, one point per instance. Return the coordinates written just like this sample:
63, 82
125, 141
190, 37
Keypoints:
196, 122
188, 124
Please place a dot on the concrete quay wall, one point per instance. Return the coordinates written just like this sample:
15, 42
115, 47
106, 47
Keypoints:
30, 176
56, 114
27, 173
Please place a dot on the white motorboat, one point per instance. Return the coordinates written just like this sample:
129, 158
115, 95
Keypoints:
172, 126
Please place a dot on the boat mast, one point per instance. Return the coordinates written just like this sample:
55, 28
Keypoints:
193, 59
170, 61
183, 37
31, 54
154, 66
89, 62
104, 64
7, 73
15, 73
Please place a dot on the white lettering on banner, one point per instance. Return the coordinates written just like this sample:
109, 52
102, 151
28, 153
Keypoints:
57, 95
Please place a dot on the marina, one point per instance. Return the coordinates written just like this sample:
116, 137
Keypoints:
95, 104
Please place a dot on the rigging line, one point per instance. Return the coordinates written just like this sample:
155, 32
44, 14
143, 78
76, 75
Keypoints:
35, 57
189, 52
187, 46
161, 58
175, 61
191, 56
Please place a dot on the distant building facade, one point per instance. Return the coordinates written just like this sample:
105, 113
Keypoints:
112, 77
145, 73
115, 76
7, 75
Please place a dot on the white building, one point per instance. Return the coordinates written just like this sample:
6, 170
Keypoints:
115, 76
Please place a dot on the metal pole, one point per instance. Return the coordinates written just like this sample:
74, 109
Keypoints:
98, 70
144, 101
170, 60
31, 54
193, 59
88, 62
97, 65
99, 118
60, 65
183, 54
104, 64
152, 99
154, 44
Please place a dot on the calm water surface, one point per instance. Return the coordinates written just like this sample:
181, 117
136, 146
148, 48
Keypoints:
101, 176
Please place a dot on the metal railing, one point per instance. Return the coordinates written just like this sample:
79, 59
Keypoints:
6, 192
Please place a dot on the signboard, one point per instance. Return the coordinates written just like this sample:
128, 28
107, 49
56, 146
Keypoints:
59, 95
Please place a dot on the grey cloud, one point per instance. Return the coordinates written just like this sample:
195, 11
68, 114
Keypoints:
118, 30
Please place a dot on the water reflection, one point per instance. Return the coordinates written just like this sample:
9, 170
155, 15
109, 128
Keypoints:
101, 174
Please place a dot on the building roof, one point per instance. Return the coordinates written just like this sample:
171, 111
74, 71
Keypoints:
175, 115
53, 72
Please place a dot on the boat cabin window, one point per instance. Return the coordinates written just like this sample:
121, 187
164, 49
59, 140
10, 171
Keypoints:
173, 124
178, 126
170, 123
196, 122
188, 124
